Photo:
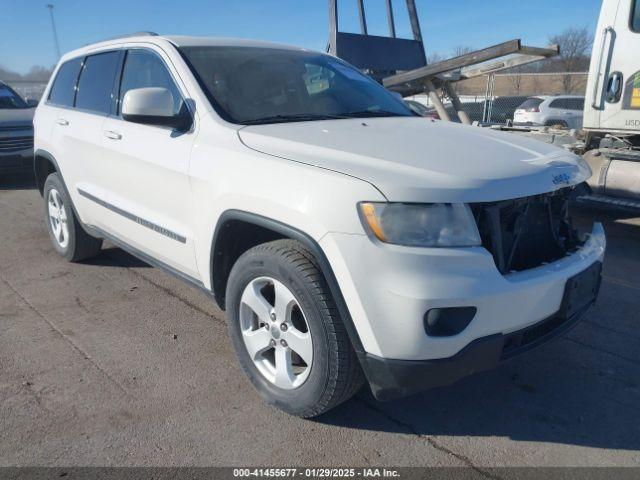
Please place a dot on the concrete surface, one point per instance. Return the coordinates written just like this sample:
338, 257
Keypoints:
112, 362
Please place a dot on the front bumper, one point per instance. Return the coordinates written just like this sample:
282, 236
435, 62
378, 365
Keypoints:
391, 379
17, 161
388, 289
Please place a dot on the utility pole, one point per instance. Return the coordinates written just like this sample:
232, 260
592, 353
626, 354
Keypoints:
55, 32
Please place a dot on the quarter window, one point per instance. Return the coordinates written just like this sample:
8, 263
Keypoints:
63, 89
635, 16
143, 69
96, 82
559, 103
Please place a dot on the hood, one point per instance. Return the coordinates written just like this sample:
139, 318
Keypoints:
18, 117
412, 159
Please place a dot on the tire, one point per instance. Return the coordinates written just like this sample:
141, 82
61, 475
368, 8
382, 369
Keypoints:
334, 374
553, 123
65, 231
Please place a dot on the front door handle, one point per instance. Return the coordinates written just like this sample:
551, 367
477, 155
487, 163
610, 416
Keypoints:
112, 135
63, 122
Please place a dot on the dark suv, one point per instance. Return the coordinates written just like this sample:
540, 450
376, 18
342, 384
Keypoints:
16, 131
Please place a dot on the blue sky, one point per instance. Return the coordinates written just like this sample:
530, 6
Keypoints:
26, 37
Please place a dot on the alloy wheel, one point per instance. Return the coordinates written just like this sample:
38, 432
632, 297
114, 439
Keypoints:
276, 333
58, 218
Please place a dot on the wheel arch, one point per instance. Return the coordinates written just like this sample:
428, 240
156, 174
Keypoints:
237, 231
44, 164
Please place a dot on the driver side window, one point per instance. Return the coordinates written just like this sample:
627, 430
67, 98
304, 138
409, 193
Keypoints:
144, 69
635, 16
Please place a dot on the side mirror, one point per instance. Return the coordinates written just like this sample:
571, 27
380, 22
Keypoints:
32, 103
153, 106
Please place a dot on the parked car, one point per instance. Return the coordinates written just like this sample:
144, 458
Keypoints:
16, 131
504, 108
561, 110
346, 238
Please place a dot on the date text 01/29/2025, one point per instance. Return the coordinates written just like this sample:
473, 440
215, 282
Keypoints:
316, 472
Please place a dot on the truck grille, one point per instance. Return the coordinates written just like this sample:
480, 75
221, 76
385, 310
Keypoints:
14, 144
527, 232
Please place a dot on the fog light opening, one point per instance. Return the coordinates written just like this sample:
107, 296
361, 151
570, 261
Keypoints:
446, 322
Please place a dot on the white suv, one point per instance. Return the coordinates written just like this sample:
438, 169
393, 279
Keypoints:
346, 238
563, 110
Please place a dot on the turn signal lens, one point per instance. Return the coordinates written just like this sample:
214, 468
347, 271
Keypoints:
369, 212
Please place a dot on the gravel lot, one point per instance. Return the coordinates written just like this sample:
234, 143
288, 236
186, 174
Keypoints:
115, 363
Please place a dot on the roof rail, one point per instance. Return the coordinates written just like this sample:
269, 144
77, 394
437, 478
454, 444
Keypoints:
134, 34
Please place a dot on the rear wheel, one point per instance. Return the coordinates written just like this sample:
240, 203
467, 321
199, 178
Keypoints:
286, 330
67, 235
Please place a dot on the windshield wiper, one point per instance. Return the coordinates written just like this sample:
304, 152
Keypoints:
309, 117
371, 113
302, 117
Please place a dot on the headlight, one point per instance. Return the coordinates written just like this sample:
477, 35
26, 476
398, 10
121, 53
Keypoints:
421, 225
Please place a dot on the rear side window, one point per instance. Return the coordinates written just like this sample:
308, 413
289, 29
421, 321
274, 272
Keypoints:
95, 87
531, 103
575, 103
144, 69
635, 16
559, 103
63, 89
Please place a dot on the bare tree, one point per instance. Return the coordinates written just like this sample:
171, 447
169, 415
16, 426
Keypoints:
515, 78
36, 73
434, 57
575, 49
461, 50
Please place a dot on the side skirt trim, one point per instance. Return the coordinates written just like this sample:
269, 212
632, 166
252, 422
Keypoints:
134, 218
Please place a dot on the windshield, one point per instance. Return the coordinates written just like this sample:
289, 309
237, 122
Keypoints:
250, 85
10, 99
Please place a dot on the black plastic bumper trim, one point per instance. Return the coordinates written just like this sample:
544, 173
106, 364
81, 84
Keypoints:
390, 379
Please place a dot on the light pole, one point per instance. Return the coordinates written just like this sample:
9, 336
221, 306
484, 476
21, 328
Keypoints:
55, 32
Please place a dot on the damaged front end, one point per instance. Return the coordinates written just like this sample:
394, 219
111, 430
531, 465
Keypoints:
527, 232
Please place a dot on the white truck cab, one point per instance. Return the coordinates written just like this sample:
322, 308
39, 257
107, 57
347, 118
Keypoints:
346, 238
612, 108
613, 89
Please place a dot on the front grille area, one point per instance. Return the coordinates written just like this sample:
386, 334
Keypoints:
527, 232
14, 144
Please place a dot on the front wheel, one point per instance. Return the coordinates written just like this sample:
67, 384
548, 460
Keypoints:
67, 235
286, 330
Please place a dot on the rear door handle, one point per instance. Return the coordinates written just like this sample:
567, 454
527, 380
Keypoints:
63, 122
112, 135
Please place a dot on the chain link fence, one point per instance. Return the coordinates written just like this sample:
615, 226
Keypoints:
494, 98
